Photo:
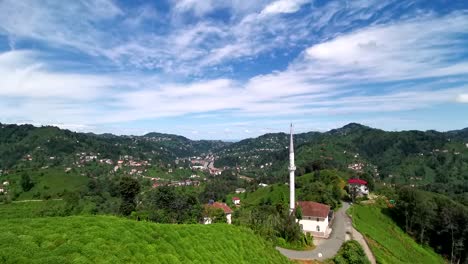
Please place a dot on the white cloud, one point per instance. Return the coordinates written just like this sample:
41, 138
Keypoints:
283, 6
182, 48
407, 50
57, 23
462, 98
24, 75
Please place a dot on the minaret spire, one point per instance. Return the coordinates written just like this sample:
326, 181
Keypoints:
292, 169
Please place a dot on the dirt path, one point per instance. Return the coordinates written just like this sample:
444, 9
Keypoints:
27, 201
360, 238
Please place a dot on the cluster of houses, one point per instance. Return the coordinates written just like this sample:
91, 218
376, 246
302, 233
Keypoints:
193, 180
357, 167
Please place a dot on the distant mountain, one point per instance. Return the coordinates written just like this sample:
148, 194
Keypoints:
43, 144
349, 128
255, 152
461, 134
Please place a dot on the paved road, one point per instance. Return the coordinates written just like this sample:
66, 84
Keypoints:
326, 248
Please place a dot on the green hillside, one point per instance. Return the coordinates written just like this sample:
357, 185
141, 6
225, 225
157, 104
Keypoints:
387, 241
48, 183
30, 209
42, 143
277, 193
105, 239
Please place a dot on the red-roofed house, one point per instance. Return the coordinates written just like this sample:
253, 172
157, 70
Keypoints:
358, 187
315, 218
226, 209
236, 200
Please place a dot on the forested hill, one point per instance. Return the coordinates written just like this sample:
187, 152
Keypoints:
40, 144
436, 161
255, 152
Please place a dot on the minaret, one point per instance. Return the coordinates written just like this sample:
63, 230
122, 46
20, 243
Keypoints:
292, 169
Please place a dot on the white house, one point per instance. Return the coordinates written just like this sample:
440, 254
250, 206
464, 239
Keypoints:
226, 209
358, 186
315, 218
236, 200
240, 190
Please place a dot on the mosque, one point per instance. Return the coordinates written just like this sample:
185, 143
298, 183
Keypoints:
315, 216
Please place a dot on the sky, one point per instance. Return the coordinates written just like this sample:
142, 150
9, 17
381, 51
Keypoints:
233, 69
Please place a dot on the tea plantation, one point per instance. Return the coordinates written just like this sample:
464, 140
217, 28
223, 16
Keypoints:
387, 241
107, 239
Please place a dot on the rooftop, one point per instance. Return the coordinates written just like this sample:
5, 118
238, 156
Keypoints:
314, 209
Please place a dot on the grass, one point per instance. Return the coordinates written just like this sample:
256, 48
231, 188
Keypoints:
28, 209
387, 241
106, 239
276, 193
49, 182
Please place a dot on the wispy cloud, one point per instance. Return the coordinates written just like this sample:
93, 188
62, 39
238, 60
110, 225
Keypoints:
334, 59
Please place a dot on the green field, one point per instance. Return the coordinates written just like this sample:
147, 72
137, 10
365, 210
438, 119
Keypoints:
387, 241
106, 239
29, 209
48, 183
276, 193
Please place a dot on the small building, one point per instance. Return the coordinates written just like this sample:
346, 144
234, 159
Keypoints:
262, 185
315, 218
358, 187
236, 200
226, 209
2, 189
240, 190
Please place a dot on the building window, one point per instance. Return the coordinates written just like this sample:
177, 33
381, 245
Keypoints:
318, 219
318, 228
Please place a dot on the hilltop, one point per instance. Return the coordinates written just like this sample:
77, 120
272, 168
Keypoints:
48, 145
104, 239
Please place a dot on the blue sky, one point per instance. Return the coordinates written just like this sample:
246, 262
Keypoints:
234, 69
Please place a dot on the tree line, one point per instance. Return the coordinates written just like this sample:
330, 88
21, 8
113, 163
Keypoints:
435, 220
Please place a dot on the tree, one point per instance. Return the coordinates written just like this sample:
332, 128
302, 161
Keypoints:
425, 214
128, 190
26, 182
215, 214
351, 253
173, 205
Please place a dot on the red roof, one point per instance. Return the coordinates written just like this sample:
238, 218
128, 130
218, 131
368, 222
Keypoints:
357, 181
235, 198
314, 209
226, 209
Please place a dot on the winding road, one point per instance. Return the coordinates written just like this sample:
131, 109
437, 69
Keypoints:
327, 248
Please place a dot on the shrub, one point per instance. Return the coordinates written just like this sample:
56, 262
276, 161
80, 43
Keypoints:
351, 253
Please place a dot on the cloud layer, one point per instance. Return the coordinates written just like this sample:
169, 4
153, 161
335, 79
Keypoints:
67, 65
